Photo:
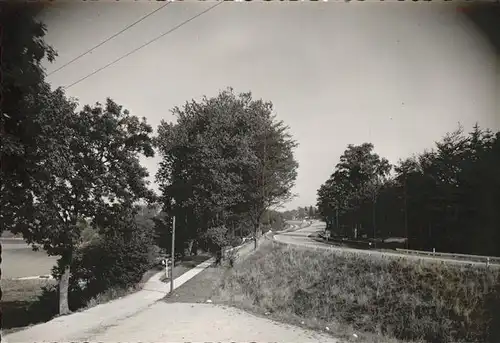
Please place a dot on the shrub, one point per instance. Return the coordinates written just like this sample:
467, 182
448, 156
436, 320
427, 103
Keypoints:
117, 260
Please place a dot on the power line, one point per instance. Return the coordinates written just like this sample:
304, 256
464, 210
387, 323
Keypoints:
146, 44
108, 39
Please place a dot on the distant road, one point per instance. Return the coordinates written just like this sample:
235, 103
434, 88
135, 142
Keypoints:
301, 238
19, 260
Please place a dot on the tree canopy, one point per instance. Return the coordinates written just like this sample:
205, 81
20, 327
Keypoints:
24, 91
224, 162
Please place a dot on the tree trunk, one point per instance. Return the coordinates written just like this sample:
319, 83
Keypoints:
374, 218
255, 229
63, 291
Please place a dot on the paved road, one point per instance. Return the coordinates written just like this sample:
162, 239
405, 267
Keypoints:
301, 238
19, 260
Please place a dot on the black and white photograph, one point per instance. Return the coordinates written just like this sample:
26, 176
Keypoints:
250, 171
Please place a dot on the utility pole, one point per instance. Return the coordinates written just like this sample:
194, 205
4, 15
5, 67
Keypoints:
172, 257
263, 185
406, 214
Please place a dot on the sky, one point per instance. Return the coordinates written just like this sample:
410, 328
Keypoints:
399, 75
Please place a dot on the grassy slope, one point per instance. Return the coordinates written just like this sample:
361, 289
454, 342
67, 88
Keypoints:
350, 293
18, 297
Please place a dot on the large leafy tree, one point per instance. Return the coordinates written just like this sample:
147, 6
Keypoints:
267, 183
90, 170
225, 160
24, 96
59, 166
357, 179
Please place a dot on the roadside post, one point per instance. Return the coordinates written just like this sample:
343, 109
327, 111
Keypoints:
327, 234
166, 263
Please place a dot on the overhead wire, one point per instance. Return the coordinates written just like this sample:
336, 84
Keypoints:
144, 45
109, 38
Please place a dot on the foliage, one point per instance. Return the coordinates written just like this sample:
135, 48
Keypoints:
27, 125
393, 297
22, 83
273, 220
215, 239
223, 163
90, 170
61, 167
116, 259
444, 199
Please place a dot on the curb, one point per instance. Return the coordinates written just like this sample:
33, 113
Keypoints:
36, 277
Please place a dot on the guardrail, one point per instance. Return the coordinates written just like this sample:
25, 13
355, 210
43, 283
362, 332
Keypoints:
475, 258
452, 256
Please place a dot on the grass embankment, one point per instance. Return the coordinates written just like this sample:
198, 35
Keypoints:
24, 302
19, 303
349, 293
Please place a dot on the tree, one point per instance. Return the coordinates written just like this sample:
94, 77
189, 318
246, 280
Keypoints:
90, 171
226, 159
268, 182
301, 212
24, 93
358, 176
202, 161
311, 212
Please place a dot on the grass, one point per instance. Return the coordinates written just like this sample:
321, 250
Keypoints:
18, 303
379, 300
199, 289
206, 285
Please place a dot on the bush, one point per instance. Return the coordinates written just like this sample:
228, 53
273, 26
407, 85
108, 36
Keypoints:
117, 260
394, 297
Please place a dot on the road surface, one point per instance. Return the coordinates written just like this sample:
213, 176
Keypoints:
301, 238
19, 260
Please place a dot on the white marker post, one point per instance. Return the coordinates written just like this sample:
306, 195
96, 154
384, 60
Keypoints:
327, 234
165, 263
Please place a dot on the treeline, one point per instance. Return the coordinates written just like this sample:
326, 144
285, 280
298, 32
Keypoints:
447, 198
72, 182
301, 213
